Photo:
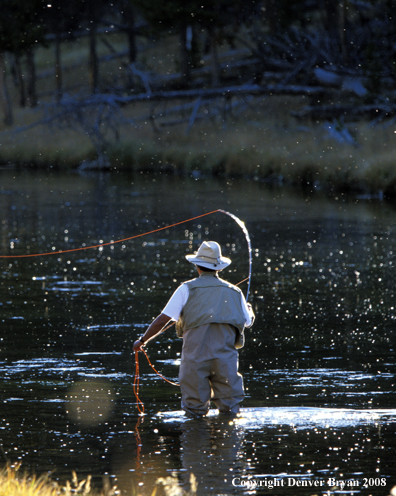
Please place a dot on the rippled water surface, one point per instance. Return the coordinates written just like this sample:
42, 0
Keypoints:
319, 364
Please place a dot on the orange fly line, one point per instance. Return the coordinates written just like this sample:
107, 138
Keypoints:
61, 252
140, 405
136, 384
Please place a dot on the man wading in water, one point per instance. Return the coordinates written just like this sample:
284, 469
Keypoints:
210, 316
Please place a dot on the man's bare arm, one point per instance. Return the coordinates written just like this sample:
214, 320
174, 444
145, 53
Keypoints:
153, 330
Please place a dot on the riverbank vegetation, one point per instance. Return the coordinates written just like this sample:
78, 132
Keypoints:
145, 90
261, 142
13, 483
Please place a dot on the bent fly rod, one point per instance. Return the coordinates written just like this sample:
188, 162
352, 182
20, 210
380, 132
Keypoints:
240, 223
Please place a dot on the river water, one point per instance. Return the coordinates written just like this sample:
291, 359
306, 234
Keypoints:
319, 364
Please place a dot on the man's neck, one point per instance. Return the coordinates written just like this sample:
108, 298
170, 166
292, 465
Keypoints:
202, 273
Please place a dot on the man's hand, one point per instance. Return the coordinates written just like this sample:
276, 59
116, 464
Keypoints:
252, 316
137, 345
153, 329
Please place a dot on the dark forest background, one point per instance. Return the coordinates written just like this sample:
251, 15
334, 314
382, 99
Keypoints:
298, 91
285, 41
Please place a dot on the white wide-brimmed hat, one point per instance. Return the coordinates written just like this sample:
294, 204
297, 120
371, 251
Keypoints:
209, 256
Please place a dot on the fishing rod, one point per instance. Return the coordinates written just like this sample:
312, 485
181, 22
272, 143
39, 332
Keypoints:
241, 224
101, 245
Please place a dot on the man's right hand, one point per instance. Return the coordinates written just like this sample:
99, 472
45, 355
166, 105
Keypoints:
137, 345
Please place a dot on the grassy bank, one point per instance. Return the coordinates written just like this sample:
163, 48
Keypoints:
14, 483
263, 142
259, 139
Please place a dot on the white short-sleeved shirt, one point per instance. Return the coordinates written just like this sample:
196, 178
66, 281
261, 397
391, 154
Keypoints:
179, 298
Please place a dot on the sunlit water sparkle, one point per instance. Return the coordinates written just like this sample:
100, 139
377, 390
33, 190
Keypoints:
318, 367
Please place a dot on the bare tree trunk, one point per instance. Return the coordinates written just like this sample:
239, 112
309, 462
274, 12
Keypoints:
270, 15
19, 80
5, 101
215, 58
334, 23
342, 28
58, 70
31, 78
129, 17
184, 56
93, 59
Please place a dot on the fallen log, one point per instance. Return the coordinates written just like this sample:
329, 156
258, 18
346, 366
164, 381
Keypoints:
228, 91
352, 83
325, 112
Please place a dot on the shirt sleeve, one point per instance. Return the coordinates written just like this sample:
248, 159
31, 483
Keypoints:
248, 312
176, 303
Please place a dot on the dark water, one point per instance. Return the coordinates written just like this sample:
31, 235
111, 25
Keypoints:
319, 364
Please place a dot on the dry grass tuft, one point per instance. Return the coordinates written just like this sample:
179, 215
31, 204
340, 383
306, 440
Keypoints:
12, 483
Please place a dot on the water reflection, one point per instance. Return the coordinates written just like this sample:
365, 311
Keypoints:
318, 366
212, 451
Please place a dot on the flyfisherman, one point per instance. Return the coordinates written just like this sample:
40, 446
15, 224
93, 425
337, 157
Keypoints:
211, 315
